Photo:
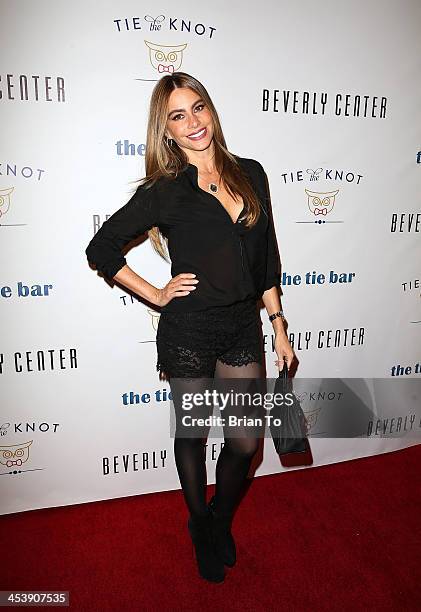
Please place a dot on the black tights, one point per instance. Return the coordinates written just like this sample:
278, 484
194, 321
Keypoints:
233, 462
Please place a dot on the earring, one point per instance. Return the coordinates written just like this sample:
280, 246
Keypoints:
170, 142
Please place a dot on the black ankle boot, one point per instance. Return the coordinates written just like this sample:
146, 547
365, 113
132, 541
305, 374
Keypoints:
222, 536
210, 565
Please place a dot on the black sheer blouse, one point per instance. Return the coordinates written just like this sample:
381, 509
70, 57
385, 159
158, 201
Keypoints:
231, 262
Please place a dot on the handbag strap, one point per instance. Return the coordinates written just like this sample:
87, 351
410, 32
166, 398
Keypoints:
284, 372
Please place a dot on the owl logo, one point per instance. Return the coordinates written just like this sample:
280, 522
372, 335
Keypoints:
314, 174
15, 455
5, 200
311, 419
310, 416
165, 58
321, 203
155, 318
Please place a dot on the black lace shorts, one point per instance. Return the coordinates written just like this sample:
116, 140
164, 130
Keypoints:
189, 343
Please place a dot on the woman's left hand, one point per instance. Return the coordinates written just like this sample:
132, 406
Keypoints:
283, 350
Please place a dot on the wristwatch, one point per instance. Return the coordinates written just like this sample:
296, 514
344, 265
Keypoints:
280, 313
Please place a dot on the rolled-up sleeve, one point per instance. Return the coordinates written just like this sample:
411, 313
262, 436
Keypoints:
130, 221
273, 267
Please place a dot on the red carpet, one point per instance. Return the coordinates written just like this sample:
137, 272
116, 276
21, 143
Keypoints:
339, 537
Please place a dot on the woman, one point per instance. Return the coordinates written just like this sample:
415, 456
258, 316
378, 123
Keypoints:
211, 210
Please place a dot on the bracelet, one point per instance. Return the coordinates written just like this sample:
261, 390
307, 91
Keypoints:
280, 313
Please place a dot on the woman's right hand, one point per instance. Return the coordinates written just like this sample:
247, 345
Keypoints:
178, 286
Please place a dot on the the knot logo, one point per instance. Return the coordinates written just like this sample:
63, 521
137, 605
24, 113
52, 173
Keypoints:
155, 22
4, 428
314, 174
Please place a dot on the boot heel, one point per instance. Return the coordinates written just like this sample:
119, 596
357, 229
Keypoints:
210, 566
222, 537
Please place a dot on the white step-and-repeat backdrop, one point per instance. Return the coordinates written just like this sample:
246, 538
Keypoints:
327, 97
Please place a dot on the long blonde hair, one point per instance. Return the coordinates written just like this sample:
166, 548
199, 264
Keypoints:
163, 159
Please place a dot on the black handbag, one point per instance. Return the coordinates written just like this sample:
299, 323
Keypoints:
288, 425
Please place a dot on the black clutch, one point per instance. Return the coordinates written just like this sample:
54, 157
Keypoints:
288, 425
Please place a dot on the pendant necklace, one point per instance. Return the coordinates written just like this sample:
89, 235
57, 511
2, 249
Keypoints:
213, 187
